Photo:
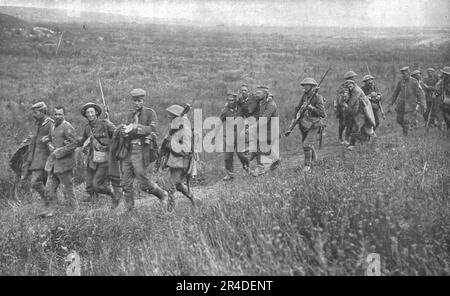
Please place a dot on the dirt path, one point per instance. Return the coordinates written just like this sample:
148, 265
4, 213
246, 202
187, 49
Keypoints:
290, 160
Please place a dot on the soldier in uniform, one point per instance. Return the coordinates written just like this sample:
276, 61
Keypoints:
61, 161
311, 121
139, 131
428, 85
375, 97
338, 103
267, 108
96, 140
38, 150
362, 128
177, 148
233, 110
247, 102
410, 96
443, 95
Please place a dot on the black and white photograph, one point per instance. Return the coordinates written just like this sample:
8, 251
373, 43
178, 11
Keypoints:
216, 138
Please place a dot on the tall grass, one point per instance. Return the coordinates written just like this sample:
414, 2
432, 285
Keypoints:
283, 223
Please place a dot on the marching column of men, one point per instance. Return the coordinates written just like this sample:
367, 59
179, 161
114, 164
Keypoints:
131, 147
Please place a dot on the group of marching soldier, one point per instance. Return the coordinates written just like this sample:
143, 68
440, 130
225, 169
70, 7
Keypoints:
117, 155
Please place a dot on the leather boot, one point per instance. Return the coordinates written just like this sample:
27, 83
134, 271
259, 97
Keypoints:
129, 202
164, 197
183, 189
116, 195
308, 155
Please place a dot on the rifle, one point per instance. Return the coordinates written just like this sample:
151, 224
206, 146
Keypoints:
321, 129
103, 99
427, 126
376, 90
304, 107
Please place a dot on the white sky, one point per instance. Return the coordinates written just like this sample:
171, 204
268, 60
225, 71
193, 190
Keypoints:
348, 13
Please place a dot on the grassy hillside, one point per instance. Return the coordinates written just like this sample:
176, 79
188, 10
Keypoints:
392, 201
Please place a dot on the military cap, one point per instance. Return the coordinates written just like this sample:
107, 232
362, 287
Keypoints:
446, 70
415, 72
137, 92
39, 106
350, 74
231, 94
404, 69
175, 110
308, 81
430, 69
91, 105
367, 77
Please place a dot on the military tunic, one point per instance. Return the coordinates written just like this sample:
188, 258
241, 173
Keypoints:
136, 162
38, 153
101, 133
310, 123
61, 162
407, 94
231, 145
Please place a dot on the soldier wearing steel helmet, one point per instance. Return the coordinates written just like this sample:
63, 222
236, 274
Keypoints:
311, 121
369, 88
362, 128
96, 140
344, 124
408, 96
443, 96
139, 131
177, 150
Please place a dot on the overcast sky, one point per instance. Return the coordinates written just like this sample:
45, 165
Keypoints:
348, 13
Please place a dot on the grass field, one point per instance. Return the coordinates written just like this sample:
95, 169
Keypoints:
392, 200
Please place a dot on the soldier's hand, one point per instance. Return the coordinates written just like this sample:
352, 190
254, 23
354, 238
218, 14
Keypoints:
45, 139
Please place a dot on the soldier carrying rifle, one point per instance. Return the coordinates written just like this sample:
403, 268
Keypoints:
177, 153
309, 115
96, 140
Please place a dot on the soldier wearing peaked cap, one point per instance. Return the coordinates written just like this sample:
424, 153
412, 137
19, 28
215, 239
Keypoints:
408, 95
312, 119
443, 96
177, 150
38, 150
369, 88
339, 102
429, 86
140, 132
230, 116
96, 140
